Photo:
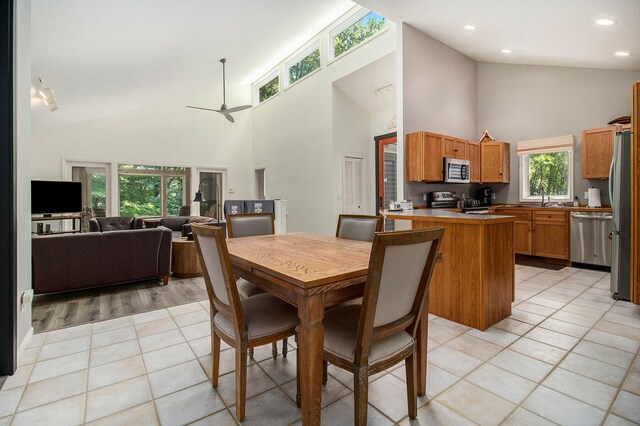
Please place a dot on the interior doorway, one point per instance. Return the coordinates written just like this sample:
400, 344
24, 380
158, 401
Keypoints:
260, 184
8, 237
386, 172
353, 185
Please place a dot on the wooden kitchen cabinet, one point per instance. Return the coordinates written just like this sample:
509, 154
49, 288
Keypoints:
597, 152
423, 157
551, 234
454, 148
523, 230
494, 162
473, 155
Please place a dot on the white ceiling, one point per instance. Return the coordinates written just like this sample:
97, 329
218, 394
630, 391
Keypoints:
361, 85
541, 32
105, 57
102, 58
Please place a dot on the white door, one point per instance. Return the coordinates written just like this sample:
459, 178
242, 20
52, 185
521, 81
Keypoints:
353, 183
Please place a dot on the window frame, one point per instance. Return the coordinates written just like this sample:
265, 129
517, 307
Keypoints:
523, 176
331, 56
315, 45
263, 82
186, 174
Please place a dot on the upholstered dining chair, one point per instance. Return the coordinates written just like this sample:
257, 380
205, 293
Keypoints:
368, 338
248, 225
358, 227
241, 323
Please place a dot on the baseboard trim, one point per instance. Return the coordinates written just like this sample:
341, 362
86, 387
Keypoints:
25, 342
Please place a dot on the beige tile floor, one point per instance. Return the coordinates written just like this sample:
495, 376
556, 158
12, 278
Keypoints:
567, 355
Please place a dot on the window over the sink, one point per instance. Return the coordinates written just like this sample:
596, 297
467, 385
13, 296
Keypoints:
546, 166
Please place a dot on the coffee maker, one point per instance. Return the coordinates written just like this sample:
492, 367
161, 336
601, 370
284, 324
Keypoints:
485, 195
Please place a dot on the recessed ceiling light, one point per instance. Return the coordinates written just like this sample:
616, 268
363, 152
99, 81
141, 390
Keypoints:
605, 22
506, 51
622, 54
469, 27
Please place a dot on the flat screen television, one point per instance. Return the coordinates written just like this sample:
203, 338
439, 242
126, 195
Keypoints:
55, 197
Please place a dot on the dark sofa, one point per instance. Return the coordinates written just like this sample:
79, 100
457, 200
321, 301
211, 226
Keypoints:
181, 225
115, 223
77, 261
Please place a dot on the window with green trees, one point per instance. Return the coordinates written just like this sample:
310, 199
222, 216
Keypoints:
357, 32
152, 190
305, 66
269, 89
548, 173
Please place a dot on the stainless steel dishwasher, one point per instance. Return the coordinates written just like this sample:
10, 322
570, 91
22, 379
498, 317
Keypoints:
590, 241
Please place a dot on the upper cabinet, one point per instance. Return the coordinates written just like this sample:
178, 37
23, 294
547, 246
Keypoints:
495, 162
423, 153
473, 155
597, 152
454, 148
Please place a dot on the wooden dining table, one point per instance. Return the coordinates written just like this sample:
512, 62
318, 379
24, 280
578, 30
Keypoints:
312, 272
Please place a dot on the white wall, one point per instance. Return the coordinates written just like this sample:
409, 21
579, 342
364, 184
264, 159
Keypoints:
522, 102
294, 141
166, 134
351, 135
23, 135
380, 122
439, 93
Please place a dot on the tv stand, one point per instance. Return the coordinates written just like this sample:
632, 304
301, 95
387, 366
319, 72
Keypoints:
48, 217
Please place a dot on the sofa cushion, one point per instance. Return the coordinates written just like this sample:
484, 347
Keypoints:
85, 260
117, 223
174, 222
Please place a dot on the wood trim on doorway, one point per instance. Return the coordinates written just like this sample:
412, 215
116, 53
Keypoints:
379, 164
635, 195
8, 236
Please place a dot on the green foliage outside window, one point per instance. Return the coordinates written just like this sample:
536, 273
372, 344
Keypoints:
357, 33
139, 195
175, 194
549, 171
268, 90
307, 65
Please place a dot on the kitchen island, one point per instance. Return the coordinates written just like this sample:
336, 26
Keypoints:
474, 283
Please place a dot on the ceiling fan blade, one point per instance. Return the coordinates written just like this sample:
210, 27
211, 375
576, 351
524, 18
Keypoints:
229, 117
238, 108
205, 109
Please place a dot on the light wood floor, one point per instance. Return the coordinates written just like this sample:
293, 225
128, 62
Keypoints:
55, 311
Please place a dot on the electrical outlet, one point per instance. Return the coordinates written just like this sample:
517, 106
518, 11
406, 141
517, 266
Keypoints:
26, 299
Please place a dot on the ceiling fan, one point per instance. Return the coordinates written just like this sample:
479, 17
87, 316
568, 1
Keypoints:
223, 108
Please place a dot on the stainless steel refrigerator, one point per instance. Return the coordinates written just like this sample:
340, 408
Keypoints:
620, 194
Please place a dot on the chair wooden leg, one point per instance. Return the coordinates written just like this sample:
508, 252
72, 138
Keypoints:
412, 388
274, 350
285, 347
251, 353
360, 395
325, 375
241, 381
215, 354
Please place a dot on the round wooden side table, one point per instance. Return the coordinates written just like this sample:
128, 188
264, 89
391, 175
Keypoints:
184, 258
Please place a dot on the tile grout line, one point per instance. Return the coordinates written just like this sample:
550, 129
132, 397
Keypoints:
538, 384
210, 380
557, 365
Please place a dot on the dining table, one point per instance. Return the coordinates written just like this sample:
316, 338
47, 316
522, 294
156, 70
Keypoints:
313, 273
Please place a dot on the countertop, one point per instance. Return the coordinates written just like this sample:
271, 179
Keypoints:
444, 215
538, 207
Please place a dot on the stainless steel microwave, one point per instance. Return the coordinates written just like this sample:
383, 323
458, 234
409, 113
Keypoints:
456, 171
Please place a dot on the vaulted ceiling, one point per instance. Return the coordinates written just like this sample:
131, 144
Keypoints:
102, 58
